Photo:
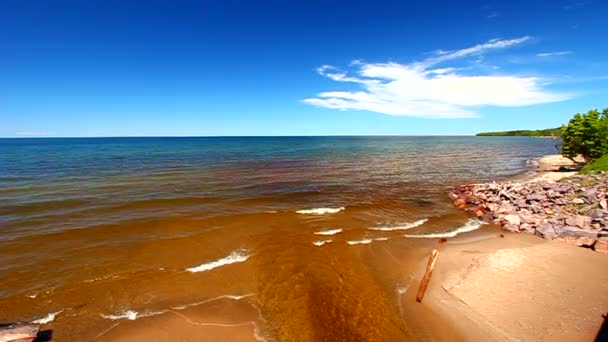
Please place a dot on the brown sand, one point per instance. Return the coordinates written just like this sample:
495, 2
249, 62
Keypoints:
519, 287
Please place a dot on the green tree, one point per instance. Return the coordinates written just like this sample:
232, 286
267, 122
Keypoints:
586, 135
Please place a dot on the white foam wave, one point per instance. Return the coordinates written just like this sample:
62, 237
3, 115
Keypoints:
48, 318
381, 239
129, 314
233, 297
320, 211
359, 242
321, 242
234, 257
402, 227
469, 226
329, 232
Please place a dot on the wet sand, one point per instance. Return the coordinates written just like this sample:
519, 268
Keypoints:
484, 288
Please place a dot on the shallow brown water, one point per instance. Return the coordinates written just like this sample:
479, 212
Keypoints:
110, 233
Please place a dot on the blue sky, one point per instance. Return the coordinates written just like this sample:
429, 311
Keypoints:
149, 68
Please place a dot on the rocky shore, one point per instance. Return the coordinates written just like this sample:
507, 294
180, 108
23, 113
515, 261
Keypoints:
572, 209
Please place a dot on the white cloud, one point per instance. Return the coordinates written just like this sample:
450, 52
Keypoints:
421, 90
551, 54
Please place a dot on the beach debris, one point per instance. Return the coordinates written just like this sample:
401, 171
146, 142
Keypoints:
427, 275
572, 209
19, 332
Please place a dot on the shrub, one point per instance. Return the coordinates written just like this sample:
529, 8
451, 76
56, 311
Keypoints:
586, 135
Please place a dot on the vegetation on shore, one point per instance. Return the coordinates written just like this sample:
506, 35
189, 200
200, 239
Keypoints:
550, 132
586, 135
600, 164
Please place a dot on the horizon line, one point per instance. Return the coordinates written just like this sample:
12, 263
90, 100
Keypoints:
236, 136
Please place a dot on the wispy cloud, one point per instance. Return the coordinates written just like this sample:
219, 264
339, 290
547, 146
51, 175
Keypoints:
492, 15
421, 89
552, 54
575, 5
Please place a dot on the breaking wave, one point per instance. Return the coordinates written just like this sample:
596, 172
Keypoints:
48, 318
320, 211
321, 242
235, 257
329, 232
359, 242
402, 227
469, 226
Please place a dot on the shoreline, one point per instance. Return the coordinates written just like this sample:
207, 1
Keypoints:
551, 203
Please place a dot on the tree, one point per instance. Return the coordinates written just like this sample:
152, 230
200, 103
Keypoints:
586, 135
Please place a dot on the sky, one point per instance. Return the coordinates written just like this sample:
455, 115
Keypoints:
286, 67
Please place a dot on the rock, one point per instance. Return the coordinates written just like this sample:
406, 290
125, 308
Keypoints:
459, 202
582, 221
492, 206
479, 213
564, 188
513, 219
526, 227
488, 217
549, 186
566, 231
603, 204
570, 221
601, 245
505, 207
546, 231
578, 201
586, 242
535, 197
590, 194
536, 209
494, 199
597, 214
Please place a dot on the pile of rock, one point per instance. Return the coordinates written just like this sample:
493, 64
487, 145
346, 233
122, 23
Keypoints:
574, 209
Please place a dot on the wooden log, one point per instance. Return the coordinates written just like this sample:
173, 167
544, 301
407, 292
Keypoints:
19, 332
427, 275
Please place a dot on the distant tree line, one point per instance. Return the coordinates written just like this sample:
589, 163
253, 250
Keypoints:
550, 132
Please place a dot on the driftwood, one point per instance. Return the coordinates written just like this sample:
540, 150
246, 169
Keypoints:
19, 332
427, 275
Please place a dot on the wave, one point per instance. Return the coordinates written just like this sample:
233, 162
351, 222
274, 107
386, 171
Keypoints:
402, 227
469, 226
48, 318
129, 314
359, 242
233, 297
234, 257
320, 211
329, 232
321, 242
381, 239
133, 315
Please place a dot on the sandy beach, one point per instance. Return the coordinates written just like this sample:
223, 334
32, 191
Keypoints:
519, 287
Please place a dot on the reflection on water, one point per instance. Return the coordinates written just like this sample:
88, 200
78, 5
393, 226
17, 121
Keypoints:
310, 230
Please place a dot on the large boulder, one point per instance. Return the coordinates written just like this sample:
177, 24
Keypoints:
566, 231
546, 231
513, 219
